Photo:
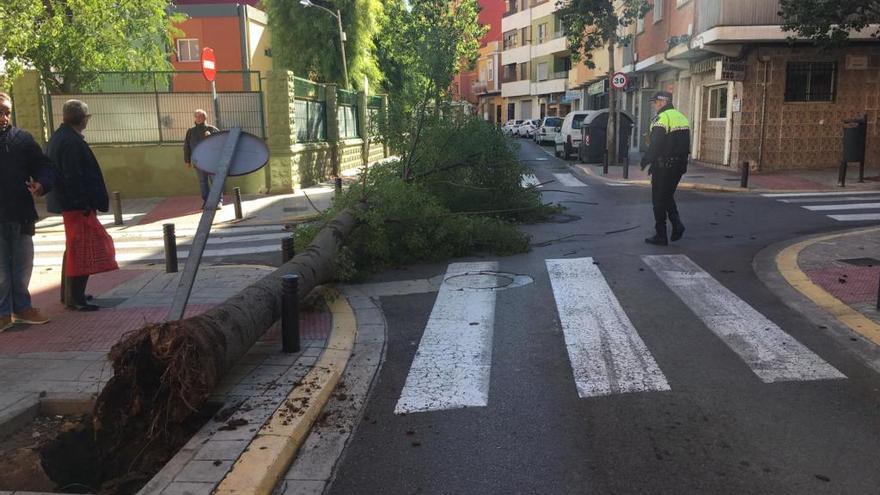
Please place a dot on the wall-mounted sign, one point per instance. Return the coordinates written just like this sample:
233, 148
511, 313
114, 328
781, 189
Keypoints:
598, 87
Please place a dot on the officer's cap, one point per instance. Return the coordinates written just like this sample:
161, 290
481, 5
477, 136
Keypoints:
661, 95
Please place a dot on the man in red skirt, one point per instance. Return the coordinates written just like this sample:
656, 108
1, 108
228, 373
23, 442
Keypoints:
78, 194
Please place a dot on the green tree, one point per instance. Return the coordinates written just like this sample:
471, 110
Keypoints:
829, 22
421, 47
592, 24
306, 40
68, 41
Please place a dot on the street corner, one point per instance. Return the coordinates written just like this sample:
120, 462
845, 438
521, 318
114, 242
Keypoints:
263, 464
836, 273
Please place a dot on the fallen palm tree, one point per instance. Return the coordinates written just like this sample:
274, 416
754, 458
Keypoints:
165, 372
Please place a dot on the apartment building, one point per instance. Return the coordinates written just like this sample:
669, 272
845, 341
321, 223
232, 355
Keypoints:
487, 87
751, 94
536, 63
473, 86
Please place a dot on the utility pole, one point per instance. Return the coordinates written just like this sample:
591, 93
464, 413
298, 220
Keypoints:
611, 132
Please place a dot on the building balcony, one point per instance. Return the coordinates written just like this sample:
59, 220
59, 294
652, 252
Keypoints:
518, 55
517, 20
714, 13
559, 84
550, 47
516, 88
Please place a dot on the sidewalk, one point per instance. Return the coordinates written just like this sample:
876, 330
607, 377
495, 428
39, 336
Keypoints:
839, 273
67, 356
704, 178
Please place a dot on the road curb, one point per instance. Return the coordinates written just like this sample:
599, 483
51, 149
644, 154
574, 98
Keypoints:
267, 457
695, 186
786, 263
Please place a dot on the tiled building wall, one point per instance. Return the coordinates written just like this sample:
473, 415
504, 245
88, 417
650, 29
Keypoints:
805, 135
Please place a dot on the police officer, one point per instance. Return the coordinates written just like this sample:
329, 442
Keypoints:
667, 157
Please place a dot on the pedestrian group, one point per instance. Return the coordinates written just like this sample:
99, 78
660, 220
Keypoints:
69, 175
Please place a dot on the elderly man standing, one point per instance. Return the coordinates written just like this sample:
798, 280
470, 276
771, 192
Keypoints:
195, 135
24, 172
79, 193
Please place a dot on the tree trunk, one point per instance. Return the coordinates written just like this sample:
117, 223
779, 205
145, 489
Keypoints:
611, 132
164, 373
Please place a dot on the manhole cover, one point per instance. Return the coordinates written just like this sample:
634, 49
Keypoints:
486, 280
861, 261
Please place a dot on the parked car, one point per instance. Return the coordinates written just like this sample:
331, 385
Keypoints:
511, 127
528, 128
546, 132
568, 134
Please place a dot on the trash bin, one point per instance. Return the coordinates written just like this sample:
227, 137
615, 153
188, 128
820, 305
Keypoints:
594, 137
855, 132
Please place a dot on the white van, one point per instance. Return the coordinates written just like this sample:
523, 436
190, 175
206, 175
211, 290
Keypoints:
568, 138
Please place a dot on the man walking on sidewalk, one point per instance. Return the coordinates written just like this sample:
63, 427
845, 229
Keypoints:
25, 172
195, 135
667, 157
79, 193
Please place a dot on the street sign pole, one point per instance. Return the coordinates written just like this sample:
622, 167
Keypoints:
216, 104
184, 287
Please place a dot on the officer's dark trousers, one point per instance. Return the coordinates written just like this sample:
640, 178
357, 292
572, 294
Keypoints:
664, 181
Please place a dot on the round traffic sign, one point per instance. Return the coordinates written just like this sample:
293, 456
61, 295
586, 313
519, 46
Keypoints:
251, 154
209, 64
619, 80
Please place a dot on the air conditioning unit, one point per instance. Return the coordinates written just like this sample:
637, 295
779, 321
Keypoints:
730, 70
648, 80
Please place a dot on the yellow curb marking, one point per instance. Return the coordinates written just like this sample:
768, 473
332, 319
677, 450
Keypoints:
786, 262
267, 458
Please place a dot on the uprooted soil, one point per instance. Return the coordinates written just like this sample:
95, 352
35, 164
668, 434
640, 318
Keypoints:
61, 454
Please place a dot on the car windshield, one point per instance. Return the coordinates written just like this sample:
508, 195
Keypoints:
577, 120
552, 122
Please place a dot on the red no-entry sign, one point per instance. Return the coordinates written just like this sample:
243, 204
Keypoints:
209, 64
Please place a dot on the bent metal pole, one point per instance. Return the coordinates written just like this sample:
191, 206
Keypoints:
184, 288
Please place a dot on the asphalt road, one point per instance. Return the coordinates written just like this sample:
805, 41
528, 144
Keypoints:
720, 428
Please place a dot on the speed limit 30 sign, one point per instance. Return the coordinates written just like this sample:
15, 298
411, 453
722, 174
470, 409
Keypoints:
619, 80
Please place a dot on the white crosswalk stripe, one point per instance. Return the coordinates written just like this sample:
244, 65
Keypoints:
568, 180
606, 353
530, 180
771, 353
452, 365
861, 203
146, 243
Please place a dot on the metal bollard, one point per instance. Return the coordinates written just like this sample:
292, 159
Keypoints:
117, 209
744, 179
236, 198
841, 175
605, 163
290, 313
626, 166
878, 295
170, 248
338, 182
288, 250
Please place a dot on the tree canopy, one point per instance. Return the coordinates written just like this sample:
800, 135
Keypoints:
591, 24
829, 22
421, 47
67, 40
306, 39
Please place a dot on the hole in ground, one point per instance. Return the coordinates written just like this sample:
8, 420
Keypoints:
60, 454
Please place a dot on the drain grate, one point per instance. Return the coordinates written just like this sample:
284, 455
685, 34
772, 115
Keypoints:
861, 261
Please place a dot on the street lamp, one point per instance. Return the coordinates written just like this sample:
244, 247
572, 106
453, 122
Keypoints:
338, 16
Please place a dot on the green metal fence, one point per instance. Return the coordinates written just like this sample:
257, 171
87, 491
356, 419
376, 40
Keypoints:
347, 113
157, 107
310, 111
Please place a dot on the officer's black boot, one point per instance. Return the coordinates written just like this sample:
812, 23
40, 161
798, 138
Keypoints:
677, 227
659, 238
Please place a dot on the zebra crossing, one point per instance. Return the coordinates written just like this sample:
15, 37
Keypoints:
146, 244
843, 206
452, 366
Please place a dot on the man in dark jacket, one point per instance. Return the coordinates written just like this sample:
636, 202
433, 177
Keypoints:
667, 156
194, 136
24, 172
80, 187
